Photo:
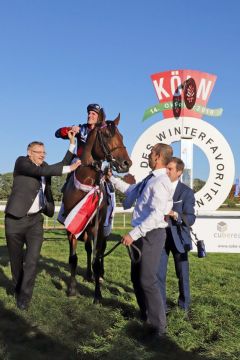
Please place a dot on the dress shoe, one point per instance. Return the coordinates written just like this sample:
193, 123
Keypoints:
186, 313
161, 336
153, 331
143, 316
22, 304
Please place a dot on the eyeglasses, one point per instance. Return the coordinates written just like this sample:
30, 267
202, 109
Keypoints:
39, 152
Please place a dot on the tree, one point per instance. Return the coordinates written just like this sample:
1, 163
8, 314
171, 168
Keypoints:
198, 184
57, 184
6, 181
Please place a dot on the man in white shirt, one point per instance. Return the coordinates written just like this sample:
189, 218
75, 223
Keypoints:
31, 195
153, 201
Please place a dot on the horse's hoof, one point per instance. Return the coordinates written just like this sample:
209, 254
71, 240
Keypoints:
97, 301
89, 277
72, 288
71, 293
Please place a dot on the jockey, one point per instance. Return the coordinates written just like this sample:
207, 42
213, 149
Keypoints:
81, 131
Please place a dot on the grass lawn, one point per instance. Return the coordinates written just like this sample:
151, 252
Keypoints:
57, 327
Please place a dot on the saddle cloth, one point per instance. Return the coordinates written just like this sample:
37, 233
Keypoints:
80, 216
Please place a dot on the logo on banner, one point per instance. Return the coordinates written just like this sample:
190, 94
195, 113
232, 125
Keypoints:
183, 96
222, 226
183, 93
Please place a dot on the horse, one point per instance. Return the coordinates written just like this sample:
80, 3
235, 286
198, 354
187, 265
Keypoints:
104, 143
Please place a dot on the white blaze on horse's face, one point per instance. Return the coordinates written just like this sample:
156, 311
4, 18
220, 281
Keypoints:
37, 154
92, 117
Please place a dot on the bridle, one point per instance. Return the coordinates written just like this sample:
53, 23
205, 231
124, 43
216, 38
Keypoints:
108, 156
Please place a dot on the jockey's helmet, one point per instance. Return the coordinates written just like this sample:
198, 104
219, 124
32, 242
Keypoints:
93, 107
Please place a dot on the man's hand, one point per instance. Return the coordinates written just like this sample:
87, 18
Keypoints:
173, 214
129, 179
107, 173
71, 136
75, 129
127, 240
75, 165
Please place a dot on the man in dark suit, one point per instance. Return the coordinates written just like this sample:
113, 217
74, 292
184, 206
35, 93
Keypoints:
30, 196
178, 240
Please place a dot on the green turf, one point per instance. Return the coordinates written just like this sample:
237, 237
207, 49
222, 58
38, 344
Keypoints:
58, 327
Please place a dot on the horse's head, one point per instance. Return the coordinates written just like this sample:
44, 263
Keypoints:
106, 143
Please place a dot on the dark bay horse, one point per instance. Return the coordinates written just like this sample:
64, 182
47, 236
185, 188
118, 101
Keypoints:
104, 143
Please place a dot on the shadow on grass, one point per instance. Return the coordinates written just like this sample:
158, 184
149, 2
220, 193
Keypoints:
53, 268
59, 272
20, 340
4, 255
160, 348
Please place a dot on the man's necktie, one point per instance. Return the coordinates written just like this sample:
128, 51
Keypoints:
135, 192
42, 200
144, 182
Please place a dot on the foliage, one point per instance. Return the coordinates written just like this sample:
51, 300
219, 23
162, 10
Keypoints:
231, 203
6, 181
119, 197
56, 327
57, 184
198, 184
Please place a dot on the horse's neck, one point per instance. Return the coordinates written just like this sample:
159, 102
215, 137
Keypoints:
86, 156
92, 150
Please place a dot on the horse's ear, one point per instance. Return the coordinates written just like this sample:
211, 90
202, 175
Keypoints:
101, 116
117, 120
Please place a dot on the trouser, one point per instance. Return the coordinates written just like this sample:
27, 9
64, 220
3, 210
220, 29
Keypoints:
27, 231
144, 278
181, 269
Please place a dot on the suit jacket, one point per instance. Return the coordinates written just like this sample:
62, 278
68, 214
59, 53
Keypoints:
183, 203
27, 183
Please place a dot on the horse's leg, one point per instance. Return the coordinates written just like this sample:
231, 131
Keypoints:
97, 269
98, 266
73, 260
88, 248
101, 278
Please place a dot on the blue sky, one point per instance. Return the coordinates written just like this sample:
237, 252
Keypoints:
58, 56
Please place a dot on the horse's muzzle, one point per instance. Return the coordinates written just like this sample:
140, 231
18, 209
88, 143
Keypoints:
122, 167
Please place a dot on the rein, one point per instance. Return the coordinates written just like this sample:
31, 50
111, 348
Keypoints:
106, 150
96, 227
135, 259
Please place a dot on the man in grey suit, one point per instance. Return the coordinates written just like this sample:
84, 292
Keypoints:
31, 195
178, 240
153, 197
